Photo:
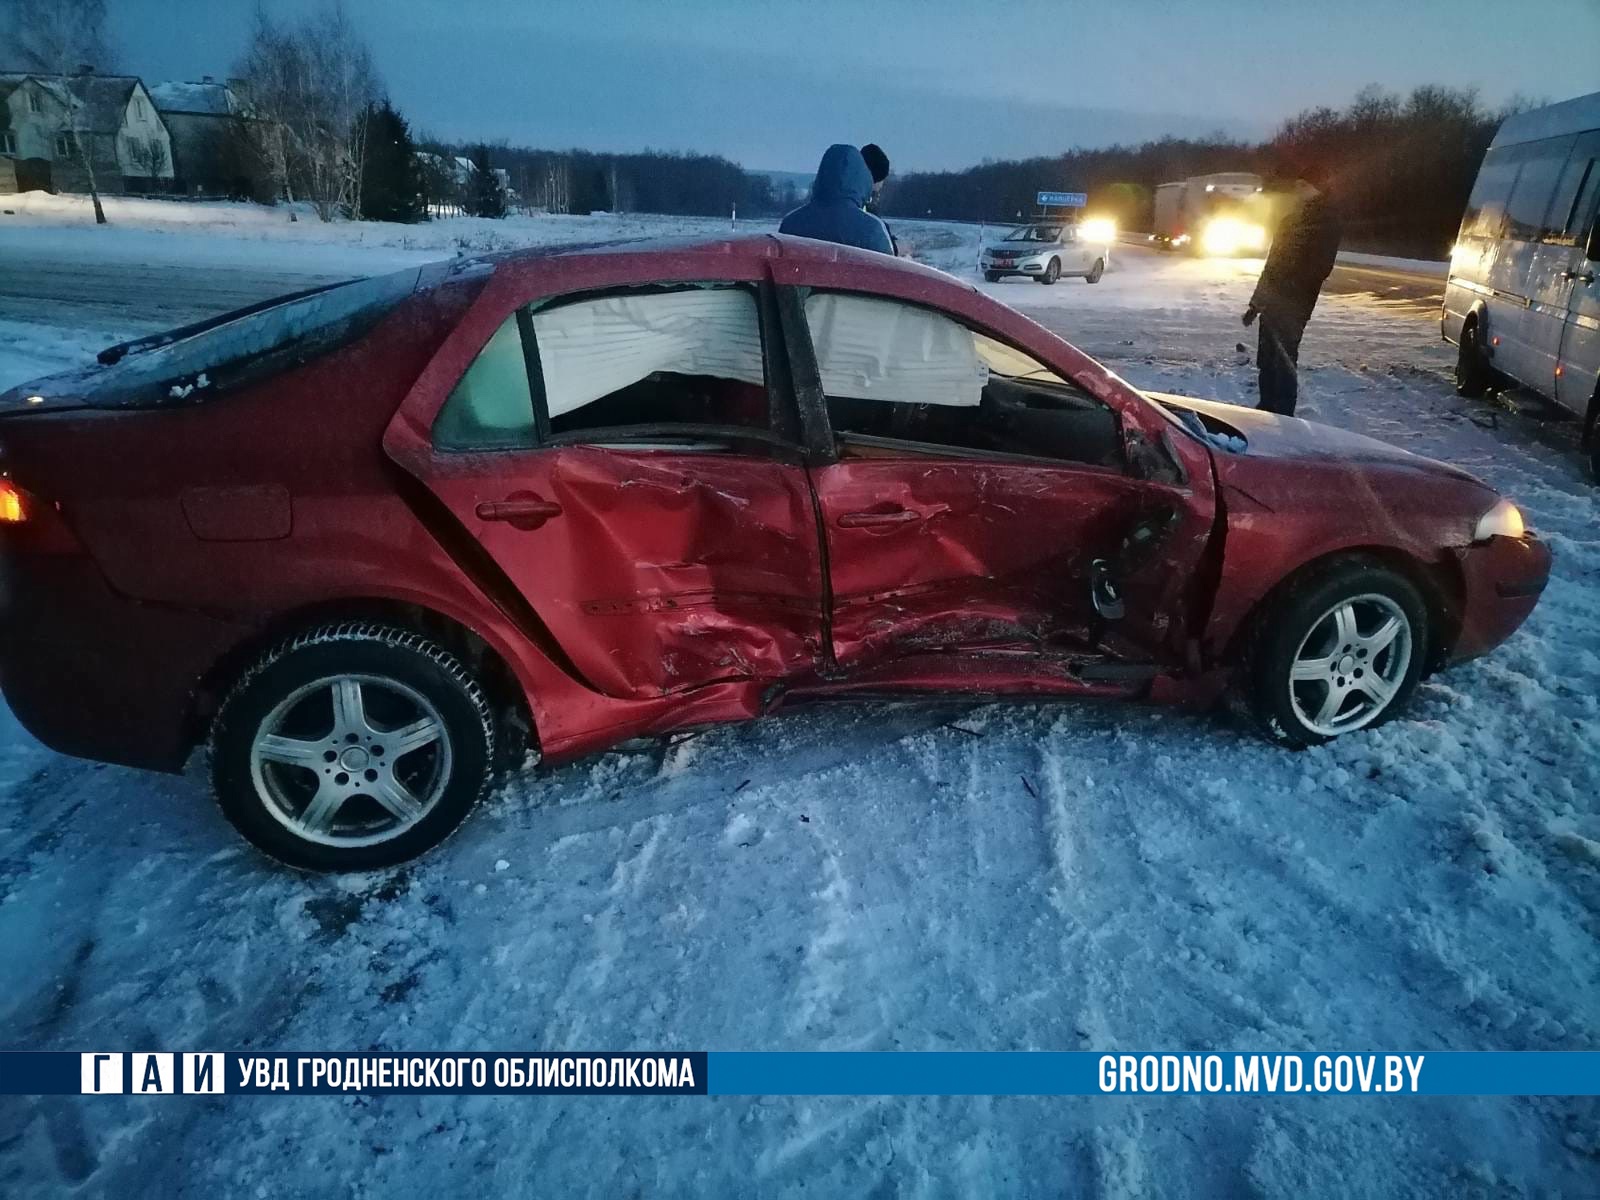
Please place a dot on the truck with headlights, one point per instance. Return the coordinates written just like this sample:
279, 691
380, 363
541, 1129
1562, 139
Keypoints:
1220, 215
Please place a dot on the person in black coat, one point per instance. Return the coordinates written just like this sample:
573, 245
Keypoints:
1301, 258
878, 163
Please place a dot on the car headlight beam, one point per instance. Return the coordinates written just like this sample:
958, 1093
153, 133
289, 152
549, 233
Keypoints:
1099, 230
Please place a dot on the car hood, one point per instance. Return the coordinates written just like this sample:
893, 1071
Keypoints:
1270, 436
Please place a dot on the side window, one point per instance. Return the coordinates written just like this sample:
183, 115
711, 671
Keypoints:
1486, 210
897, 373
691, 357
1536, 184
1576, 193
491, 406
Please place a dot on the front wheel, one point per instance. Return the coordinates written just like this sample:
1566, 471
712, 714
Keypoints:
1051, 272
1339, 651
991, 276
1096, 271
352, 747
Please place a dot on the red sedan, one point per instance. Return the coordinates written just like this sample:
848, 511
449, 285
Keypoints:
371, 542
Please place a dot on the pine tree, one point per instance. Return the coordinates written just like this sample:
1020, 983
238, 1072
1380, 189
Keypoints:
391, 179
485, 197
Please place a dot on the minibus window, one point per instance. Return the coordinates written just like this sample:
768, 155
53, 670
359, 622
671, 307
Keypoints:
1486, 210
1571, 188
1536, 185
1577, 193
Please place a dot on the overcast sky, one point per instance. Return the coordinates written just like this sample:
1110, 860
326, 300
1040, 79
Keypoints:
939, 83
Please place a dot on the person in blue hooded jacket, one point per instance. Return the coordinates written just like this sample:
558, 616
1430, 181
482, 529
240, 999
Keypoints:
837, 209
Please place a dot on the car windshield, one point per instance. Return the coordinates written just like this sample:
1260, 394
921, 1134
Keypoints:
1034, 233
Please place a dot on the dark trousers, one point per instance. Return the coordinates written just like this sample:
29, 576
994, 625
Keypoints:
1278, 358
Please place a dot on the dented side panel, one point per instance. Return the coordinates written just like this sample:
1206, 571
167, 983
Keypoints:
927, 553
655, 570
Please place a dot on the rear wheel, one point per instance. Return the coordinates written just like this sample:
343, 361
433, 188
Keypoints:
1474, 375
1341, 650
1096, 271
352, 747
1051, 272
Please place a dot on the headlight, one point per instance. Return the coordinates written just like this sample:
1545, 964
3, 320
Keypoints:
1098, 229
1229, 235
1503, 520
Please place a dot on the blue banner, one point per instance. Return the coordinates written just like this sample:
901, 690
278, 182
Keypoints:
1092, 1074
1063, 199
689, 1073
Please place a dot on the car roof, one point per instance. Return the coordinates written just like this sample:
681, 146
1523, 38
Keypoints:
736, 250
1578, 115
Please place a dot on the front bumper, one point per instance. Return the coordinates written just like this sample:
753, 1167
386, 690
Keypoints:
1032, 266
1502, 580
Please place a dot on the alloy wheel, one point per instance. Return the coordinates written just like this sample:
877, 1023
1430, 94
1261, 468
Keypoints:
351, 760
1351, 664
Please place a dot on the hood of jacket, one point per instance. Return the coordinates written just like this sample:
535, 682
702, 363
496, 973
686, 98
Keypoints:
842, 176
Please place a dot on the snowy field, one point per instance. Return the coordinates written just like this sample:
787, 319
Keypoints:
1059, 877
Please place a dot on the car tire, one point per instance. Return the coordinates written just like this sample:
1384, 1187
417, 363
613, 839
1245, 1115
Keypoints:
1474, 375
409, 752
991, 277
1318, 665
1096, 271
1051, 272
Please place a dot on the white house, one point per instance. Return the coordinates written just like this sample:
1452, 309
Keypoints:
43, 121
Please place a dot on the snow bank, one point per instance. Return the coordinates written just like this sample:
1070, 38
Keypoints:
1409, 266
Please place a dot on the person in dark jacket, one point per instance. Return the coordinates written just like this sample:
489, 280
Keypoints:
1302, 255
878, 163
837, 209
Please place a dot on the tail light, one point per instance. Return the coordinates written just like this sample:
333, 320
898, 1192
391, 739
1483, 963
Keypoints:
32, 525
13, 508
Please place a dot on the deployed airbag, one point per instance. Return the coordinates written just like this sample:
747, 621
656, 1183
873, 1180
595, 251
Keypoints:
593, 348
871, 349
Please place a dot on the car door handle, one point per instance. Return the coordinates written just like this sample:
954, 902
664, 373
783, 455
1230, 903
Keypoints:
520, 510
872, 520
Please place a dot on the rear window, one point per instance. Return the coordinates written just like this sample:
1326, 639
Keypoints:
491, 406
193, 363
679, 364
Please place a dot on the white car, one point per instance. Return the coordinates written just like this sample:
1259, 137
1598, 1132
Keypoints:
1047, 250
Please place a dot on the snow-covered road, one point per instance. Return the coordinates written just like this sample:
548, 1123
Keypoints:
972, 877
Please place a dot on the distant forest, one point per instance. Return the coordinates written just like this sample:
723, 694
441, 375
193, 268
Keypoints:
1401, 169
579, 181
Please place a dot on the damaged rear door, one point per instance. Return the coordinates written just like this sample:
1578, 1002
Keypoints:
630, 465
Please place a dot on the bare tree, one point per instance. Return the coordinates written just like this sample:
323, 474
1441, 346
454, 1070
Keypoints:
64, 40
308, 85
149, 155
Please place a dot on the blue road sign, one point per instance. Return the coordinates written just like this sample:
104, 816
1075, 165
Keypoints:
1063, 199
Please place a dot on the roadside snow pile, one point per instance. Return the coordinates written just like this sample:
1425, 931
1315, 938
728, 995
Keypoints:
1413, 266
214, 219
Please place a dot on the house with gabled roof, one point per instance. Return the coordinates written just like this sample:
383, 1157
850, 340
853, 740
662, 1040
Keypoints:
213, 153
112, 119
